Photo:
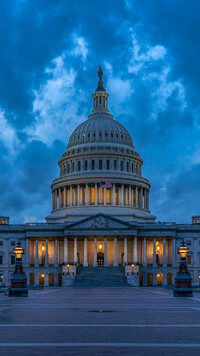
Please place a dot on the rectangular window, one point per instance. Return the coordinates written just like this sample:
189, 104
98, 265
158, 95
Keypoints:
115, 164
92, 195
108, 196
84, 195
93, 164
116, 196
12, 260
122, 166
1, 243
100, 195
133, 196
1, 260
107, 164
189, 260
12, 243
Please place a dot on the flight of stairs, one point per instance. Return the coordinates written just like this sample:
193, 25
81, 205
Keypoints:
100, 277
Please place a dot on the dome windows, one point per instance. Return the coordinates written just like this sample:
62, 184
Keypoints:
115, 164
100, 134
106, 134
100, 164
79, 166
127, 166
85, 165
94, 134
121, 165
107, 164
93, 164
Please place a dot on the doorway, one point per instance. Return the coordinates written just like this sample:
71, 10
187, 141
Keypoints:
100, 259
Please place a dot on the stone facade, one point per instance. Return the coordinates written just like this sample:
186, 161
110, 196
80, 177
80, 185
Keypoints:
94, 226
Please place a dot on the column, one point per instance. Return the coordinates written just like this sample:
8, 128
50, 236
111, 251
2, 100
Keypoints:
173, 251
53, 199
64, 196
46, 253
122, 194
125, 250
115, 251
56, 252
105, 251
130, 196
27, 252
7, 251
135, 250
104, 196
96, 194
75, 195
144, 251
141, 198
95, 251
78, 203
113, 194
154, 252
148, 199
60, 198
75, 250
70, 195
65, 249
145, 198
136, 196
87, 194
164, 251
85, 263
36, 252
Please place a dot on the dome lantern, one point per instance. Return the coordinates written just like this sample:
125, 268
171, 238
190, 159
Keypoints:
100, 96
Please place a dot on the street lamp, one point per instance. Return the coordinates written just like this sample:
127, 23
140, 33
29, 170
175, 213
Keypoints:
183, 279
18, 279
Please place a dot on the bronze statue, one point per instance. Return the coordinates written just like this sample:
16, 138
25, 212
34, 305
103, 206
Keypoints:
100, 73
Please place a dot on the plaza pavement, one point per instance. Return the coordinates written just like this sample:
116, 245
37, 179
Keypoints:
100, 321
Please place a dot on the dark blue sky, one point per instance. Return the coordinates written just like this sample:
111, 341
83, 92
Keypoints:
50, 53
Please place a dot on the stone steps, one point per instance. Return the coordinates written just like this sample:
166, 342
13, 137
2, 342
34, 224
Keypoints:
100, 277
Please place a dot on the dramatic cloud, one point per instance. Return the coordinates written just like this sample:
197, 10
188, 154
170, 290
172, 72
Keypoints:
149, 51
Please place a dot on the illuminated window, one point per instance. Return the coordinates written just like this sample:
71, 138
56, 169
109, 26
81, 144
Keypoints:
100, 195
115, 164
100, 164
189, 260
133, 196
84, 195
116, 196
93, 164
107, 164
92, 195
108, 196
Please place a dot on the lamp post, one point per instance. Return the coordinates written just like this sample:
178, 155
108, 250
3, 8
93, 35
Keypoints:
18, 279
183, 279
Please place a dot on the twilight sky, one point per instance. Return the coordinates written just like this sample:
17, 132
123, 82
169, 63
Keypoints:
50, 53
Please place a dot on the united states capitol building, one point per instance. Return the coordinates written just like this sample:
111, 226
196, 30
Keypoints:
100, 224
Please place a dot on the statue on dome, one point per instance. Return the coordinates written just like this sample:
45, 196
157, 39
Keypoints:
100, 73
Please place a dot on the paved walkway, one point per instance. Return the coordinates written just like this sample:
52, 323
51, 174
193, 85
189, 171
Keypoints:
100, 321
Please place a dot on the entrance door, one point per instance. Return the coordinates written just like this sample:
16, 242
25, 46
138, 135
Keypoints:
100, 259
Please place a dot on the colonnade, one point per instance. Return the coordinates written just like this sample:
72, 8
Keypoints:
93, 194
134, 241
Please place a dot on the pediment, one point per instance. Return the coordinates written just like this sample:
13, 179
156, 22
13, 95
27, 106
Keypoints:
100, 222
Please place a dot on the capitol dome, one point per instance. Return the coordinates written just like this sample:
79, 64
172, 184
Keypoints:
100, 150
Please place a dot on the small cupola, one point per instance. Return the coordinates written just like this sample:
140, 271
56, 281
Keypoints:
100, 96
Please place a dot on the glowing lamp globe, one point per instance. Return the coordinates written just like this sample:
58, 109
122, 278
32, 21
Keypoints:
18, 251
183, 251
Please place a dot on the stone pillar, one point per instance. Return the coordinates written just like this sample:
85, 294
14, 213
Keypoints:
113, 194
78, 202
135, 250
75, 195
96, 194
130, 196
125, 250
122, 194
154, 252
56, 251
70, 195
148, 199
154, 279
46, 253
75, 250
144, 251
95, 251
53, 199
27, 252
85, 263
60, 198
36, 252
6, 250
65, 249
105, 251
104, 196
46, 279
64, 197
174, 251
145, 198
141, 198
87, 194
164, 251
136, 196
115, 251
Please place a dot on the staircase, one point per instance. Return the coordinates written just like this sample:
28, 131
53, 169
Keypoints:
100, 277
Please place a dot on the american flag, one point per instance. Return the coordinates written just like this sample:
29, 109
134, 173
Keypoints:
106, 185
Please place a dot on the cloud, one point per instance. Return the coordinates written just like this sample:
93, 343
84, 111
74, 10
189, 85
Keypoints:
8, 134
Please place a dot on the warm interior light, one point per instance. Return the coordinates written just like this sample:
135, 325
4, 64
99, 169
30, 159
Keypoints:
42, 275
158, 248
43, 248
158, 275
2, 276
68, 265
100, 246
183, 251
132, 265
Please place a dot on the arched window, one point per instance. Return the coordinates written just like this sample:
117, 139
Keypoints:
99, 133
79, 166
107, 164
115, 164
85, 165
68, 168
106, 134
73, 167
122, 166
93, 164
132, 167
100, 164
127, 166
